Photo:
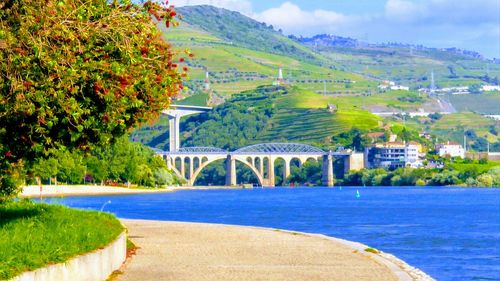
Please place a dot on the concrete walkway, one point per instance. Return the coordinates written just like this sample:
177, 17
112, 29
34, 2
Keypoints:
186, 251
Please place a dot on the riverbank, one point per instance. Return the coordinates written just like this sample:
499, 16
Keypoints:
194, 251
33, 191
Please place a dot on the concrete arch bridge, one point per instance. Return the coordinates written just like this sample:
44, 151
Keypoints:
189, 162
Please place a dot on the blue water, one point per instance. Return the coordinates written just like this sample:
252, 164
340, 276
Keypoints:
450, 233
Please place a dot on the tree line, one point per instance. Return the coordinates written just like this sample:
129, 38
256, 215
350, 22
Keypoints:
123, 163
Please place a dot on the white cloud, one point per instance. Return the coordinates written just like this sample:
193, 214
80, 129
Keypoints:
402, 10
242, 6
473, 24
292, 18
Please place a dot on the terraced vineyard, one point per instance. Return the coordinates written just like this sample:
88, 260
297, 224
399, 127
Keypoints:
484, 103
243, 56
295, 125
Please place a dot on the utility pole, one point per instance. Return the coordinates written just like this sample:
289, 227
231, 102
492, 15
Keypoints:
465, 142
324, 87
433, 85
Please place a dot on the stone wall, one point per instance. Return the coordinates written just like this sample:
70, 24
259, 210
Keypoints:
95, 266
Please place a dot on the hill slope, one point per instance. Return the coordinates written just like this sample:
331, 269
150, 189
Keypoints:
243, 61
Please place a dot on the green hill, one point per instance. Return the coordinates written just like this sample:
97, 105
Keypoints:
266, 114
234, 28
406, 64
242, 54
243, 57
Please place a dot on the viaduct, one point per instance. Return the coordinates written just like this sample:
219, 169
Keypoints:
189, 162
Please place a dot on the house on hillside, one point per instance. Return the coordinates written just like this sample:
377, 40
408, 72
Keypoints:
332, 108
450, 149
375, 136
385, 85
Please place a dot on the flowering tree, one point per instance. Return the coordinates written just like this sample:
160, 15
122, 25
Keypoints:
78, 73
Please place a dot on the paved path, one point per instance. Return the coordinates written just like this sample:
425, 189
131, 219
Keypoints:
186, 251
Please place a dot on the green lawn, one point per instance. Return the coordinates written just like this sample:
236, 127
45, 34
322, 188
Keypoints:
35, 235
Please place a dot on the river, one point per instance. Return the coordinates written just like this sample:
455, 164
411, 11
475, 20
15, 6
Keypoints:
450, 233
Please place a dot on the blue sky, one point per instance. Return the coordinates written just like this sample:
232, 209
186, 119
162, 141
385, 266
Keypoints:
466, 24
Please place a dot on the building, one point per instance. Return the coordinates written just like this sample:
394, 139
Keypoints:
393, 155
489, 88
392, 86
280, 79
400, 88
450, 149
207, 81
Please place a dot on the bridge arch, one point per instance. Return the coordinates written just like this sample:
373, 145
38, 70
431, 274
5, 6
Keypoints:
218, 158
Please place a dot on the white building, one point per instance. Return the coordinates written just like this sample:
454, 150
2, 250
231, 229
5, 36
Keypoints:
392, 85
393, 155
489, 88
401, 88
451, 149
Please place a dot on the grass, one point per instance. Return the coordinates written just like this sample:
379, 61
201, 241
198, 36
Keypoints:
35, 235
462, 120
485, 103
479, 168
372, 250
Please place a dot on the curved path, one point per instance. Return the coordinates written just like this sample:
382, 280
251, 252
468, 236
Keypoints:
189, 251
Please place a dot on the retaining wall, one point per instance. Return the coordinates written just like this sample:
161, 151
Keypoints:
95, 266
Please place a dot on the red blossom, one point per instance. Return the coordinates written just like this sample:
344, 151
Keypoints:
8, 154
181, 59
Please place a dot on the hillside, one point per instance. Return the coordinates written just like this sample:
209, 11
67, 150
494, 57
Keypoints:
406, 64
266, 114
242, 62
241, 54
234, 28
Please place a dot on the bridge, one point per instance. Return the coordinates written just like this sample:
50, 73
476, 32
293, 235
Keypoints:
175, 113
189, 162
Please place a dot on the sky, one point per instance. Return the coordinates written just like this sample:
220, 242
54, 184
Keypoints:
466, 24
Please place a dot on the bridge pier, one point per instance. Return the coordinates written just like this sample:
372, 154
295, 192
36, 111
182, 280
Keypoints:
286, 171
174, 122
230, 171
261, 166
183, 168
169, 162
191, 168
327, 173
270, 172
